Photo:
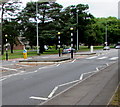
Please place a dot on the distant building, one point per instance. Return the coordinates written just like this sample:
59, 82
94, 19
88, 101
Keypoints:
20, 45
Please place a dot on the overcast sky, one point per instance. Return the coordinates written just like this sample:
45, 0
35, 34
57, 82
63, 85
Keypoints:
98, 8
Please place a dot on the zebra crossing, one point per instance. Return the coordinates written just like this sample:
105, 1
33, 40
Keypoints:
102, 57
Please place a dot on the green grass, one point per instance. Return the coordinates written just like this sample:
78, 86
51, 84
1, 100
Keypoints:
19, 54
85, 48
116, 98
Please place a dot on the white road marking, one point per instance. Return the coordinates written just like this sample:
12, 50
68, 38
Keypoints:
102, 57
38, 98
68, 83
48, 66
97, 69
113, 58
73, 61
3, 79
107, 64
35, 71
58, 65
9, 69
81, 77
92, 57
13, 75
53, 91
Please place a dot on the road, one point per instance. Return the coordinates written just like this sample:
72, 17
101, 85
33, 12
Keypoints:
36, 84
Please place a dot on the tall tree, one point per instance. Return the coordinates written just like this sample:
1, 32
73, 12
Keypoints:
45, 18
9, 11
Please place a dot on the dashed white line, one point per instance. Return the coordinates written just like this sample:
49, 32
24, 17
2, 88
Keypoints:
3, 79
68, 83
58, 65
97, 69
38, 98
102, 57
92, 57
35, 71
113, 58
53, 91
9, 69
73, 61
81, 77
107, 64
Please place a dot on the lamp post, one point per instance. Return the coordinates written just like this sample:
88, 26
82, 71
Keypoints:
6, 47
59, 43
37, 27
106, 36
71, 29
77, 33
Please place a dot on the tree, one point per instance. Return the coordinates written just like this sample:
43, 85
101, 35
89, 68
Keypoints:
10, 12
112, 25
45, 18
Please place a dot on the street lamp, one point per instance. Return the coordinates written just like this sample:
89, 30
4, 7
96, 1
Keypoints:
37, 27
106, 36
6, 47
59, 42
71, 29
77, 32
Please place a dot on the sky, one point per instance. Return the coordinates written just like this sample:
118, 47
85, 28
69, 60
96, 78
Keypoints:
98, 8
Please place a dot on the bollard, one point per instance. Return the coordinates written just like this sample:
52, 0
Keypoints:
25, 54
91, 49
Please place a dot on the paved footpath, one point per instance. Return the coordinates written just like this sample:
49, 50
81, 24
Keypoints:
96, 90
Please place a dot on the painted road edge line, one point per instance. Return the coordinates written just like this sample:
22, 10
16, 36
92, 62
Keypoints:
68, 88
53, 91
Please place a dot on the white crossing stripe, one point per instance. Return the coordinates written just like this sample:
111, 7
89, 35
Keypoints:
113, 58
9, 69
38, 98
102, 57
92, 57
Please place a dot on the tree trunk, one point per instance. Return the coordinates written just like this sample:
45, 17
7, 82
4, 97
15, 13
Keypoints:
2, 44
11, 48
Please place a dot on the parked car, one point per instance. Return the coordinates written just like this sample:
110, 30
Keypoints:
117, 47
68, 50
106, 48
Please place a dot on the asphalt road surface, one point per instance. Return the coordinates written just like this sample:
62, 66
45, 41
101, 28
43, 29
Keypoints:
35, 84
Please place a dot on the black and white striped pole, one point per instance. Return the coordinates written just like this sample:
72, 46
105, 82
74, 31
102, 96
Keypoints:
6, 47
59, 43
71, 29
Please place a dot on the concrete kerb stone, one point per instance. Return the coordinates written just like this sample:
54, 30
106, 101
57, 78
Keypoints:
85, 54
48, 61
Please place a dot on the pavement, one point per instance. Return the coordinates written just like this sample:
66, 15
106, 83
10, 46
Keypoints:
96, 90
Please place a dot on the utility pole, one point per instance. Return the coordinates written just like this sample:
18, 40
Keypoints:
37, 27
71, 42
77, 33
106, 36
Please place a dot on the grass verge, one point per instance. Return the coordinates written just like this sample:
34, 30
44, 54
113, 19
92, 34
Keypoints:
116, 98
30, 53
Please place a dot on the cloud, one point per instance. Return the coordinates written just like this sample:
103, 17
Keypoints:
99, 8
